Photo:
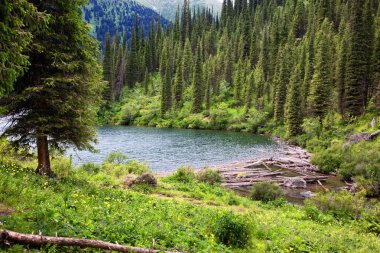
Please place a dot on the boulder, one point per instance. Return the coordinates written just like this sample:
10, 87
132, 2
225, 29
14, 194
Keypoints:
307, 194
146, 178
295, 182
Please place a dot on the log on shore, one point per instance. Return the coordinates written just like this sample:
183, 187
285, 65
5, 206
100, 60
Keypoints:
7, 236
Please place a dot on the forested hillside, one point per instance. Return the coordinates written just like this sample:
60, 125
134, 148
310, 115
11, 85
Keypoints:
308, 71
118, 16
167, 7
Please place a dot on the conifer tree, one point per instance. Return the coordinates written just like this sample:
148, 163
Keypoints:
341, 67
107, 69
187, 62
17, 21
250, 91
166, 93
197, 81
146, 82
376, 61
321, 84
356, 77
178, 87
285, 63
293, 109
52, 104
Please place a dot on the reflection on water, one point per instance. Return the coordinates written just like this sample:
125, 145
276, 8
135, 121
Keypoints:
167, 149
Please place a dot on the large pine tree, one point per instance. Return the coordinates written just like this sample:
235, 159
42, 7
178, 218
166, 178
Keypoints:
18, 19
357, 76
321, 83
53, 102
197, 81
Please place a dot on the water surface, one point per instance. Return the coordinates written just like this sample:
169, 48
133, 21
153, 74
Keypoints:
167, 149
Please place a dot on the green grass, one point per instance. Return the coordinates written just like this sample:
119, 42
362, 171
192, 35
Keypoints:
173, 216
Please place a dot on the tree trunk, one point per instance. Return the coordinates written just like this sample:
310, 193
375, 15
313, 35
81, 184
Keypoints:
43, 156
7, 237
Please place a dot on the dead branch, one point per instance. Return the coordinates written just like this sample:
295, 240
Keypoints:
7, 236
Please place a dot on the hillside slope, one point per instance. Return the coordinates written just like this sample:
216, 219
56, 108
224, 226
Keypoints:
117, 16
167, 8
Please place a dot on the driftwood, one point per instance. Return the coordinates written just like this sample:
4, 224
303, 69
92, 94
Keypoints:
244, 174
7, 237
363, 137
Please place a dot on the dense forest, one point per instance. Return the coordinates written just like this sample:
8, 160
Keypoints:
292, 59
307, 71
118, 17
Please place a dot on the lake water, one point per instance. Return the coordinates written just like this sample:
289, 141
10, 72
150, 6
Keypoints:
165, 150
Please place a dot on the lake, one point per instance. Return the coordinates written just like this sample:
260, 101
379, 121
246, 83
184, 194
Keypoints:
165, 150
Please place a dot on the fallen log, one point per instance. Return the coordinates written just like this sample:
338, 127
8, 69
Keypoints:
7, 236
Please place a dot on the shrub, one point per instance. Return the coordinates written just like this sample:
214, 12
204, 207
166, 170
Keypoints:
91, 168
209, 176
340, 204
116, 158
345, 205
328, 160
232, 230
61, 166
362, 162
184, 175
265, 192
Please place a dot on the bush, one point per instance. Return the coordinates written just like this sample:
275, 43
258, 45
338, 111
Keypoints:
90, 168
209, 176
265, 192
61, 166
328, 160
118, 165
232, 230
345, 205
340, 204
184, 175
362, 162
116, 158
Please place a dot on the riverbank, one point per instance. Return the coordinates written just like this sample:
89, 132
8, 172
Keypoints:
327, 138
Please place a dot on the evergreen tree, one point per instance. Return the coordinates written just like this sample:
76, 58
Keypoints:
285, 63
107, 69
293, 111
166, 94
357, 75
250, 91
341, 67
321, 84
376, 61
52, 104
197, 81
178, 87
18, 18
187, 62
146, 82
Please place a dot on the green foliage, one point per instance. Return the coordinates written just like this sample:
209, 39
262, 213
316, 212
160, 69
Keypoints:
116, 158
232, 230
209, 176
362, 163
117, 164
18, 22
265, 192
343, 205
328, 160
91, 168
184, 175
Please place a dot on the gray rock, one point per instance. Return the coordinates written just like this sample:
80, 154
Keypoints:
295, 182
307, 194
